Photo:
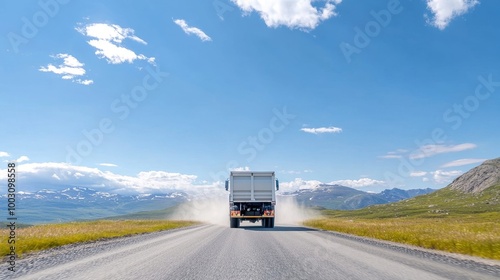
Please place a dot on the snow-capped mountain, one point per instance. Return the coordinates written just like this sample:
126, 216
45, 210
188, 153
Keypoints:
341, 197
79, 203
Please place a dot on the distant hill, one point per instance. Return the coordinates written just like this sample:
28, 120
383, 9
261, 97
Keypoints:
77, 203
345, 198
475, 192
479, 178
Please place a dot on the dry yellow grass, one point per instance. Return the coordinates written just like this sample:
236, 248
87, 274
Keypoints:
471, 236
43, 237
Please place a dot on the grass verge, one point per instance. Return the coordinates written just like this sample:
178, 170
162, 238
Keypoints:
42, 237
445, 220
463, 236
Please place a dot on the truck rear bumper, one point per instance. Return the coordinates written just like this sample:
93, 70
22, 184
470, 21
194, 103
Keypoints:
251, 217
267, 214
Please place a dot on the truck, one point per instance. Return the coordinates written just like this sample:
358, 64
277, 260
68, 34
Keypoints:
252, 197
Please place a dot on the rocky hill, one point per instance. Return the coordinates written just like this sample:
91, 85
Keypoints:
475, 193
479, 178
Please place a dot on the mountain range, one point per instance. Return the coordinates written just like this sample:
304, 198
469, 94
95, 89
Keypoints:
345, 198
474, 195
80, 203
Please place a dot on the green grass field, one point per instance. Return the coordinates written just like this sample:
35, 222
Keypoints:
444, 220
42, 237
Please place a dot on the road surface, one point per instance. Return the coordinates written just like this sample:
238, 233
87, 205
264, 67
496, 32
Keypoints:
249, 252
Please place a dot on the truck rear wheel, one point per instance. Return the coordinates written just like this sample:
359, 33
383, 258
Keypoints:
268, 222
234, 223
265, 222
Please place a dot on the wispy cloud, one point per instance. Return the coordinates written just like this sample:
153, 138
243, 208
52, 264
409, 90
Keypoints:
301, 14
108, 164
4, 154
192, 30
391, 156
445, 10
461, 162
320, 130
394, 154
108, 39
69, 69
432, 150
296, 172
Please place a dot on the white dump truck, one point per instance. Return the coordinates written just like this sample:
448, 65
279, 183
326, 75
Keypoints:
252, 197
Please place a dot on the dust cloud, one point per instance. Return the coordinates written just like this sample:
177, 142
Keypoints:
290, 212
215, 210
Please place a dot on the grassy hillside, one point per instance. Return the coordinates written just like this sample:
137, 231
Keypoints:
40, 211
441, 203
445, 220
147, 215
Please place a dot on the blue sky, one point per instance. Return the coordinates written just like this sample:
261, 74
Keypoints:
160, 95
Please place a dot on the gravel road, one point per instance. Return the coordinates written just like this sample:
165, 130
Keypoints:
249, 252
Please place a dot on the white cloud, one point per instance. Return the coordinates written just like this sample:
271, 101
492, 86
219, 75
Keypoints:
319, 130
108, 39
84, 82
418, 173
444, 177
298, 184
22, 159
445, 10
391, 156
108, 164
192, 30
241, 168
4, 154
360, 183
34, 175
461, 162
69, 69
299, 14
431, 150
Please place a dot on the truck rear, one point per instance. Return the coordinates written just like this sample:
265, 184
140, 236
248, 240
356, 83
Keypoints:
252, 197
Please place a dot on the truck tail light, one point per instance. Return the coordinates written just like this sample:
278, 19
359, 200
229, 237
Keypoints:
235, 213
269, 213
